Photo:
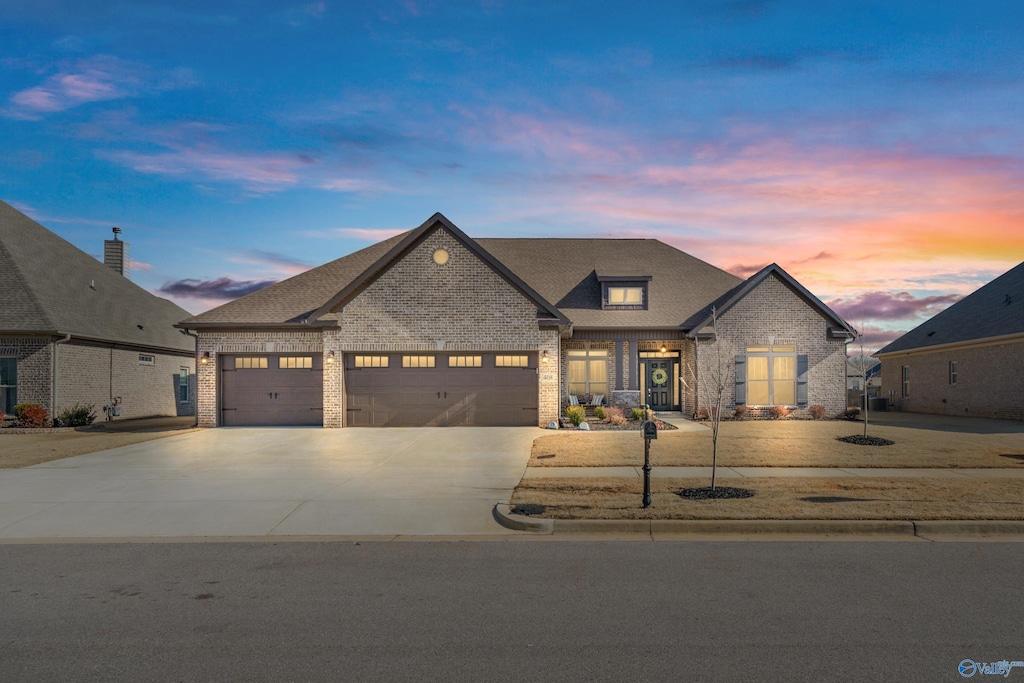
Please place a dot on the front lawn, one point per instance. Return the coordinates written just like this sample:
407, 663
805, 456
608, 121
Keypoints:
782, 443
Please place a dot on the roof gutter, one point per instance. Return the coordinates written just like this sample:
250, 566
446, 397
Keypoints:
55, 383
195, 394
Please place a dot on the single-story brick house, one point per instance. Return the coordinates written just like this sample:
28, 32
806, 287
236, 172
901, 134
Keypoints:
74, 330
432, 327
967, 360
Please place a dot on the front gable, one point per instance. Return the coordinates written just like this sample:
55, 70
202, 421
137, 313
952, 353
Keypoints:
438, 290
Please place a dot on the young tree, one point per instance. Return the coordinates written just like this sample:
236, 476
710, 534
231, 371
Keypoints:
863, 364
717, 374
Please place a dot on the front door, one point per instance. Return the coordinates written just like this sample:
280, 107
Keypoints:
660, 372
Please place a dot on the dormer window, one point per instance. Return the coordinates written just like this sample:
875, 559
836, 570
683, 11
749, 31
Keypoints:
620, 292
618, 296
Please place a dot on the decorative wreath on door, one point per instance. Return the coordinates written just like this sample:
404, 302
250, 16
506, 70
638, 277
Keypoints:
659, 376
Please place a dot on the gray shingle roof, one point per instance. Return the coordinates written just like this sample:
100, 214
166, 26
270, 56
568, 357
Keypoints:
291, 301
995, 310
562, 271
46, 281
565, 272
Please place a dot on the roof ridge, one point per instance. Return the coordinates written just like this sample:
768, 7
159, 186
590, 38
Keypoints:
33, 297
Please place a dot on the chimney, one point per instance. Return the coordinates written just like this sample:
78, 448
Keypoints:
115, 255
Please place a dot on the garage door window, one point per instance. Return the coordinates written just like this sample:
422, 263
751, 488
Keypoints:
250, 363
371, 361
417, 361
465, 361
295, 362
512, 361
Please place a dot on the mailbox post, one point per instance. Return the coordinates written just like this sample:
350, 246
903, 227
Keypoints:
650, 431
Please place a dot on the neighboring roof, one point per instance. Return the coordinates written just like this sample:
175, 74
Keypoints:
995, 310
729, 299
566, 272
855, 369
46, 281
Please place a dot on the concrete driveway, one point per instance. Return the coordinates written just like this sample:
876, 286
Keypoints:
273, 482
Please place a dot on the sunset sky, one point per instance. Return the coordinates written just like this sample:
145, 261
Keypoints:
874, 150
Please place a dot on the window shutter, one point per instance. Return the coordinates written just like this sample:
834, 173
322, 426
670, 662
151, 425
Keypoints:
741, 380
801, 380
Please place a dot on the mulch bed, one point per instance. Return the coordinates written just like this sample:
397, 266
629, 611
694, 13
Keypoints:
708, 493
604, 426
861, 440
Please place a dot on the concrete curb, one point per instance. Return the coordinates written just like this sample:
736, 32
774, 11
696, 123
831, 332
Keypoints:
895, 527
968, 527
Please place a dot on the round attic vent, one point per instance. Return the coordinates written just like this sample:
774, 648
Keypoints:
440, 256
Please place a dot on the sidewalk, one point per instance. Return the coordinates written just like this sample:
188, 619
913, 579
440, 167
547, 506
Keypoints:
752, 472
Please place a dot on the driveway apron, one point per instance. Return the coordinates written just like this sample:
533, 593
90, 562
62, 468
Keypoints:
274, 482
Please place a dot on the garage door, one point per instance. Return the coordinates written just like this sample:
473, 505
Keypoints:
272, 390
441, 390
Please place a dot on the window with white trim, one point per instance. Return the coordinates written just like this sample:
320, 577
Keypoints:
588, 371
8, 385
147, 359
905, 380
771, 375
953, 372
182, 385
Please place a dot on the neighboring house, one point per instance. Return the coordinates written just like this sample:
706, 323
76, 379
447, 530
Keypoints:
432, 327
74, 330
967, 360
855, 379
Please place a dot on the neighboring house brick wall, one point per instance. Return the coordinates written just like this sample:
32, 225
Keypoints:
34, 367
989, 381
773, 314
417, 305
94, 374
217, 342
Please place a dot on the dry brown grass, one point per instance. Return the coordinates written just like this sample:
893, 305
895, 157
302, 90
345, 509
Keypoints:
22, 450
781, 443
774, 498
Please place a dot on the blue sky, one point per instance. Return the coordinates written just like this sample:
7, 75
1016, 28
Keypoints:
875, 151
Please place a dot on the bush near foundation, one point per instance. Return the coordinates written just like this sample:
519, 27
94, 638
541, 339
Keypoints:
817, 412
31, 415
638, 414
615, 416
77, 416
778, 412
576, 414
599, 413
740, 412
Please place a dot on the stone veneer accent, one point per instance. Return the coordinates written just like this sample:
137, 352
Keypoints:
989, 380
773, 314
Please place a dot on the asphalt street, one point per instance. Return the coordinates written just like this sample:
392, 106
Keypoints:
509, 610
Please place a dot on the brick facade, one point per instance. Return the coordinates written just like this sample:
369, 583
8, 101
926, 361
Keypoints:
217, 343
92, 374
773, 314
989, 380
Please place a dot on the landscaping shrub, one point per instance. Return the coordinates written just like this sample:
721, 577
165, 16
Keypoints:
740, 412
849, 413
599, 413
576, 414
778, 412
638, 414
21, 406
817, 412
31, 415
77, 415
615, 416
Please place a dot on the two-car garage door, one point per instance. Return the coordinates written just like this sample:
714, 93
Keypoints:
442, 390
383, 390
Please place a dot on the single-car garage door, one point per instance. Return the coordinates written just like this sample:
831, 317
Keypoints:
441, 390
261, 389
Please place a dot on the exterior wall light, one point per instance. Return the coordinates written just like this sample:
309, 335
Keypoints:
664, 349
544, 357
330, 357
205, 358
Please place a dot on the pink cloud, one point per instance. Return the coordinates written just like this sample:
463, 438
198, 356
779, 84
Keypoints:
368, 234
96, 79
891, 306
139, 265
257, 172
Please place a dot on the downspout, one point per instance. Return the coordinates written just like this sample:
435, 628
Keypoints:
53, 375
195, 395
